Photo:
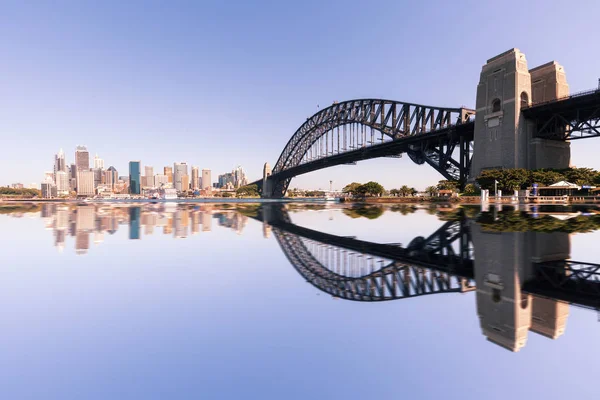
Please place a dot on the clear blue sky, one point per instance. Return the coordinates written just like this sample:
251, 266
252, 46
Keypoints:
217, 84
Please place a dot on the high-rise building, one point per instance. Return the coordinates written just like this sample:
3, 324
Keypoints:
168, 171
135, 177
111, 177
59, 163
148, 180
180, 170
206, 180
82, 158
195, 178
239, 177
97, 176
98, 162
48, 189
161, 180
62, 183
85, 183
227, 179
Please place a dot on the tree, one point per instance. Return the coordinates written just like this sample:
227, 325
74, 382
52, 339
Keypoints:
447, 185
394, 192
370, 189
580, 176
431, 190
404, 191
546, 177
351, 188
247, 190
470, 189
413, 191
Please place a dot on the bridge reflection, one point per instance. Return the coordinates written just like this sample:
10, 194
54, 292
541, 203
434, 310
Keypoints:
524, 281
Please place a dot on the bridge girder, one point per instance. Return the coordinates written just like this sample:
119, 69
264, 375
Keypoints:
394, 121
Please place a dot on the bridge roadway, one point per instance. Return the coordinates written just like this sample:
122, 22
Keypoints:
569, 118
396, 147
577, 283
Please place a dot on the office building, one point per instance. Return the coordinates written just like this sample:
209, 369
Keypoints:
98, 162
59, 163
82, 158
168, 171
85, 183
48, 189
63, 186
180, 173
135, 177
98, 175
206, 180
195, 178
148, 178
227, 179
111, 177
161, 181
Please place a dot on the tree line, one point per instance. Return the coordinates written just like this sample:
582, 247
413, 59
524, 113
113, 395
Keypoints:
8, 191
519, 178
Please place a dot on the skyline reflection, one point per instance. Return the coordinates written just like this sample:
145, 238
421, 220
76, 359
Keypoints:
517, 263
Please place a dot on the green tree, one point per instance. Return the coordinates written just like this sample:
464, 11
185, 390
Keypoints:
372, 212
546, 177
413, 191
405, 191
351, 188
580, 176
470, 189
447, 185
431, 190
394, 192
247, 190
370, 189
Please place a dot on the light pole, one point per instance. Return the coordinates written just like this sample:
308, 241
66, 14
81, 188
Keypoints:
495, 188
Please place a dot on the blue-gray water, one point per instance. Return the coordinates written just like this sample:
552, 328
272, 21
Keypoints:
203, 302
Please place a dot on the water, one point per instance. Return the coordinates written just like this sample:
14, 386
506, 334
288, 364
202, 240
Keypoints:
207, 301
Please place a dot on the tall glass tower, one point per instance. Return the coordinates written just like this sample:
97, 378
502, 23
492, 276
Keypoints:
134, 177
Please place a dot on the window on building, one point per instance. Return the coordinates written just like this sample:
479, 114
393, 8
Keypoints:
496, 105
524, 99
496, 295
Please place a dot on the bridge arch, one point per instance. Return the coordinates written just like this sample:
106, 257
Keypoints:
345, 132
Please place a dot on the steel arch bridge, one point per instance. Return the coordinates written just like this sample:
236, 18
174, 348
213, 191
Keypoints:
355, 130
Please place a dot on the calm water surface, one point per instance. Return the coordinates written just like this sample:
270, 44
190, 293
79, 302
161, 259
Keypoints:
217, 302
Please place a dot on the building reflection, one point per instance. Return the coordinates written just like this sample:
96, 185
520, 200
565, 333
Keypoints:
86, 223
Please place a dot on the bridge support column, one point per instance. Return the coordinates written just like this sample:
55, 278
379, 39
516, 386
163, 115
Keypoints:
548, 82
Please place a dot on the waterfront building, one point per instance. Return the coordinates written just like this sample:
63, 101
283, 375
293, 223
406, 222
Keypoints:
168, 171
185, 183
48, 189
226, 179
148, 180
98, 162
206, 180
161, 181
134, 177
85, 183
82, 158
98, 175
63, 184
196, 178
111, 177
180, 170
59, 163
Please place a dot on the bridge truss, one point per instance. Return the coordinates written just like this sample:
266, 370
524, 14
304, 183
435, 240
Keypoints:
355, 130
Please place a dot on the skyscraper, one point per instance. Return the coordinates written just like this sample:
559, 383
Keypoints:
195, 178
134, 177
62, 183
98, 162
148, 180
206, 179
179, 171
85, 183
82, 158
111, 177
59, 163
169, 173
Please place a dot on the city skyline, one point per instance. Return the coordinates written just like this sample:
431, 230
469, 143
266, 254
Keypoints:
226, 115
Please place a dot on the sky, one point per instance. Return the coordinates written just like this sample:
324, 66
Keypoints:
221, 84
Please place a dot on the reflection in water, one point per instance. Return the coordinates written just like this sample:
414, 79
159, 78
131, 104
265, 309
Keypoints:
517, 262
524, 280
84, 222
